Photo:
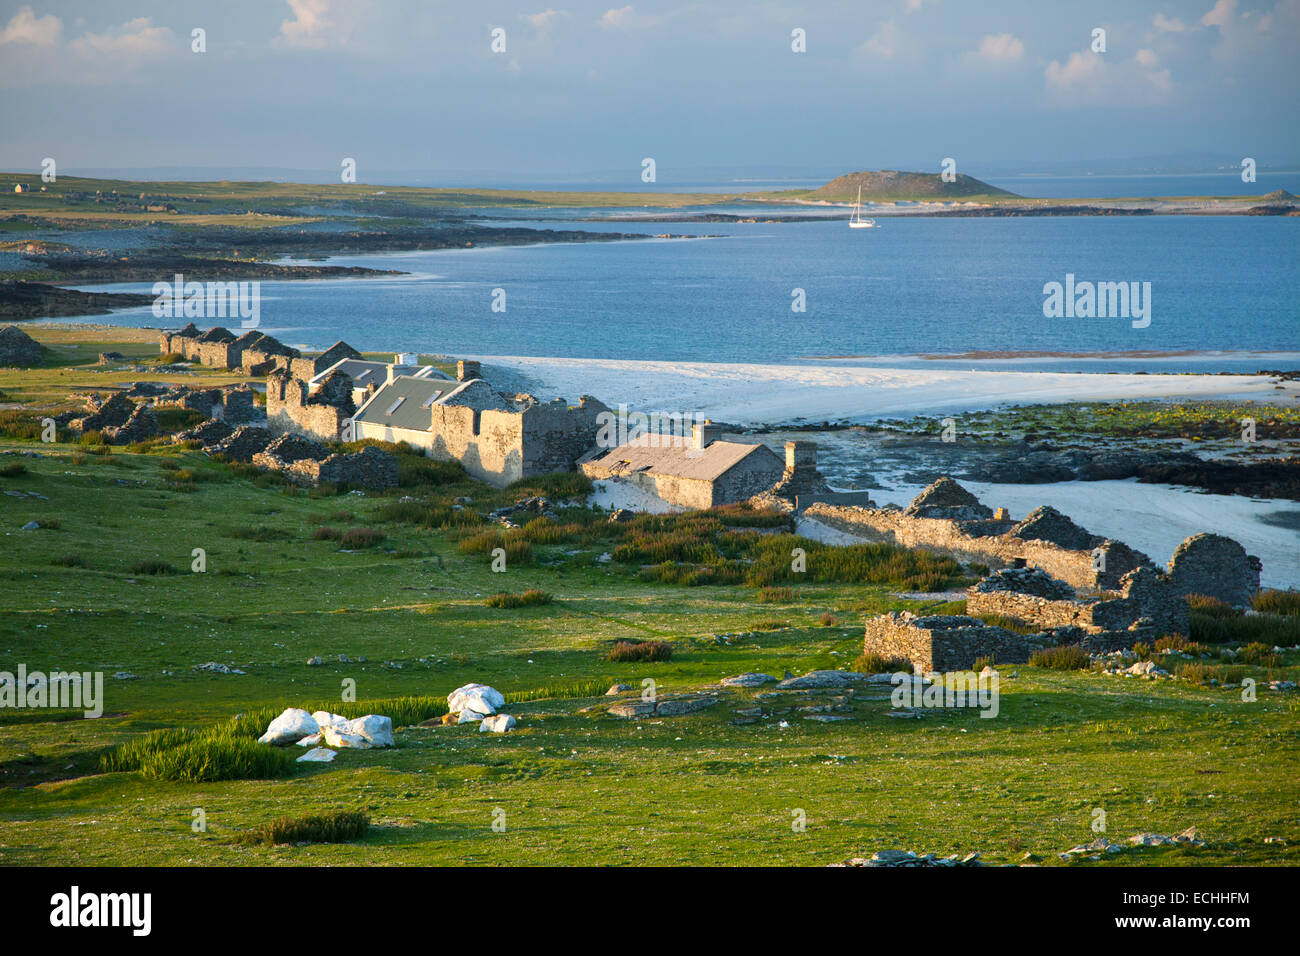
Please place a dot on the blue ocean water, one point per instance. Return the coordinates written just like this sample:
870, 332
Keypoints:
912, 286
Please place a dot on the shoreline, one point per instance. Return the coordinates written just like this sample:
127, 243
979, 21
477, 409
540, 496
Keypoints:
775, 395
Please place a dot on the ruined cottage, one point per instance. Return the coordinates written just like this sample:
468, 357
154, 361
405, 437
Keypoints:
947, 519
18, 349
307, 368
293, 407
498, 439
696, 472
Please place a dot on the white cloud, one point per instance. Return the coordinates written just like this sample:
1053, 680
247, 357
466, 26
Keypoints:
135, 38
885, 43
1168, 24
1080, 70
625, 18
1000, 48
313, 26
1220, 14
1088, 79
544, 19
26, 27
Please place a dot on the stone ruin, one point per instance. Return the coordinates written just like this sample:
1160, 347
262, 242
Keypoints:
946, 499
241, 444
802, 484
285, 450
1145, 607
207, 433
945, 642
1052, 577
947, 519
1216, 567
370, 467
307, 462
18, 349
232, 403
291, 407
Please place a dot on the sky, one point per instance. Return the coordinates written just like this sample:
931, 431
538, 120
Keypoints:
415, 89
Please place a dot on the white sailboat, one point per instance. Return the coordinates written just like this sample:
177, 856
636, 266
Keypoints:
856, 221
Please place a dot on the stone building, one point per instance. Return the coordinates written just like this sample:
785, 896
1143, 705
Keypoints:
1216, 567
368, 376
212, 347
696, 472
307, 368
1146, 606
266, 354
945, 642
178, 342
498, 439
948, 520
232, 403
18, 349
293, 407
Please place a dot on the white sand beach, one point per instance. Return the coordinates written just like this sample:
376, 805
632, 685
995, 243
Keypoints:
756, 394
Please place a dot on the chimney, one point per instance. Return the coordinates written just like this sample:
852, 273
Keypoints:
702, 435
392, 374
465, 370
800, 456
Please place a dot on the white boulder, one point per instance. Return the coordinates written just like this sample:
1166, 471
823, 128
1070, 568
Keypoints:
378, 730
291, 726
311, 741
335, 737
317, 755
326, 719
497, 725
470, 717
479, 698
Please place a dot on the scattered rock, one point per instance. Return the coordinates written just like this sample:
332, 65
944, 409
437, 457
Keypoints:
819, 679
479, 698
292, 725
751, 679
616, 689
213, 667
907, 858
498, 724
317, 755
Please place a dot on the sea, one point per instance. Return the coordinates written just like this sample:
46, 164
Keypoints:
1220, 293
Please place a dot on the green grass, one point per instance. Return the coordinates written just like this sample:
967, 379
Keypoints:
639, 651
577, 787
192, 756
530, 598
1067, 657
341, 826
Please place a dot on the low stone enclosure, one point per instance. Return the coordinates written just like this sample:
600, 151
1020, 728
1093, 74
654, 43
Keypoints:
1092, 610
122, 421
299, 459
947, 519
946, 642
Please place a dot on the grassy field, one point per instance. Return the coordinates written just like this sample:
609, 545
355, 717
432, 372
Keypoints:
570, 784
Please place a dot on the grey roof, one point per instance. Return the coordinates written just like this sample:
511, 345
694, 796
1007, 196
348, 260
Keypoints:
364, 372
405, 402
677, 457
416, 395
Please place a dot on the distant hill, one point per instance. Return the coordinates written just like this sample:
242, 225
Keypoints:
893, 184
1277, 195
